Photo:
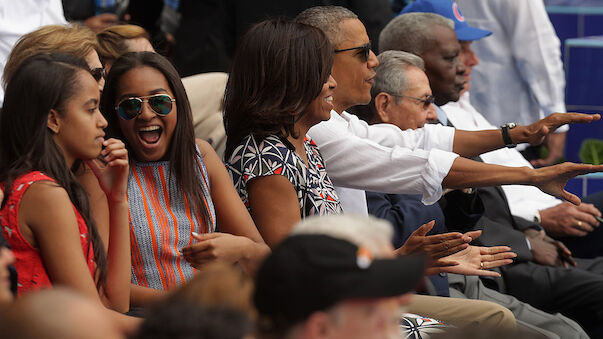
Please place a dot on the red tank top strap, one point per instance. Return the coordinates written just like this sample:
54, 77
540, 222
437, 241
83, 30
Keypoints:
19, 187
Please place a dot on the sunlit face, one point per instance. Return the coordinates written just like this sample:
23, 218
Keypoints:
79, 129
410, 113
320, 108
469, 59
368, 318
93, 62
442, 65
6, 258
148, 135
354, 74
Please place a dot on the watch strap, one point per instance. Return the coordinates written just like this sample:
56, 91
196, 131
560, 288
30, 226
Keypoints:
506, 136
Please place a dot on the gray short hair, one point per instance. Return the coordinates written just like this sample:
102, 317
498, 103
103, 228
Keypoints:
411, 32
367, 231
391, 72
327, 19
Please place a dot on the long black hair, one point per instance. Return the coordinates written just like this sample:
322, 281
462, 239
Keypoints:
278, 70
44, 82
182, 151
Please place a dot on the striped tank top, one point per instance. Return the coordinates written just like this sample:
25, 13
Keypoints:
161, 222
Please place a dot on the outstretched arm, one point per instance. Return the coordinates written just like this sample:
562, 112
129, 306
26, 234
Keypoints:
551, 180
473, 143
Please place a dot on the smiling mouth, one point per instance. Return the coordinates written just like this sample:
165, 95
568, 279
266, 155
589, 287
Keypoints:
150, 134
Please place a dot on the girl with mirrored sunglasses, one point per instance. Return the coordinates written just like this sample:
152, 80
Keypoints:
179, 191
50, 128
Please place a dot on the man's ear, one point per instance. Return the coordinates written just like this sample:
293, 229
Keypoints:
383, 101
54, 122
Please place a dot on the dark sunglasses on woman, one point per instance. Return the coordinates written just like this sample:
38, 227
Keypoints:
130, 108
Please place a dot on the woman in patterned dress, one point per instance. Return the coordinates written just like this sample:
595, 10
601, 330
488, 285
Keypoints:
179, 192
280, 85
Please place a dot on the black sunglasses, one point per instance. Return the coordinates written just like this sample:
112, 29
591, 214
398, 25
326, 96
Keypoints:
364, 54
98, 73
426, 101
130, 108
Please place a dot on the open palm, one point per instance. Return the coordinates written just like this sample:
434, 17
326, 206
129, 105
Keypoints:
470, 260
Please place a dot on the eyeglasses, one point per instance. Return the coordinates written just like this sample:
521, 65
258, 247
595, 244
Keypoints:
426, 101
98, 73
130, 108
366, 51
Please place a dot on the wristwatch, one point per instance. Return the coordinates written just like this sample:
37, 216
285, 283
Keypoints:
506, 136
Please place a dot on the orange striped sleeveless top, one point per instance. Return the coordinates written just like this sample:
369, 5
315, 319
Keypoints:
161, 222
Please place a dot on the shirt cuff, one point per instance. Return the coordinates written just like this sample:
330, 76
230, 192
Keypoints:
562, 129
529, 245
438, 165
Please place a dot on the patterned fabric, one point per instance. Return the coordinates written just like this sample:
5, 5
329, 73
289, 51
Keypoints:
315, 192
414, 326
32, 273
161, 223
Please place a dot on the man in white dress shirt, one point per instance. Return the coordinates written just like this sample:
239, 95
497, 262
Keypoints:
385, 159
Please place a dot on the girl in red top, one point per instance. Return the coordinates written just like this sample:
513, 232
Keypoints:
50, 124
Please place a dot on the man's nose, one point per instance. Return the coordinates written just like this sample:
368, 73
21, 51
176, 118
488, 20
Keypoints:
372, 60
460, 67
432, 115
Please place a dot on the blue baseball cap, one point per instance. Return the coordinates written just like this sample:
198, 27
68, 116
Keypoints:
448, 9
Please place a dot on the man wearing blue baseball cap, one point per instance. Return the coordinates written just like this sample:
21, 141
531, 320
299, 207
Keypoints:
576, 226
523, 56
557, 218
411, 32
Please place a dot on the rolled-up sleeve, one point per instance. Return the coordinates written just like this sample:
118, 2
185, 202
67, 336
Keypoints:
355, 161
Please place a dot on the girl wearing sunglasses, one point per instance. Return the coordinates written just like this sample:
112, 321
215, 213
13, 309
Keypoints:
46, 216
279, 86
179, 191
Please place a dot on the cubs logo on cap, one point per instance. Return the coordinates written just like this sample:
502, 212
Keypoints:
457, 12
448, 9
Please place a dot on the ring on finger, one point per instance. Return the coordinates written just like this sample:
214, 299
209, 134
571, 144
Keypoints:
579, 223
481, 265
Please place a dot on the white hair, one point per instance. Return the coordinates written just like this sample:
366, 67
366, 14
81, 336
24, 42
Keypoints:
391, 72
366, 231
411, 32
